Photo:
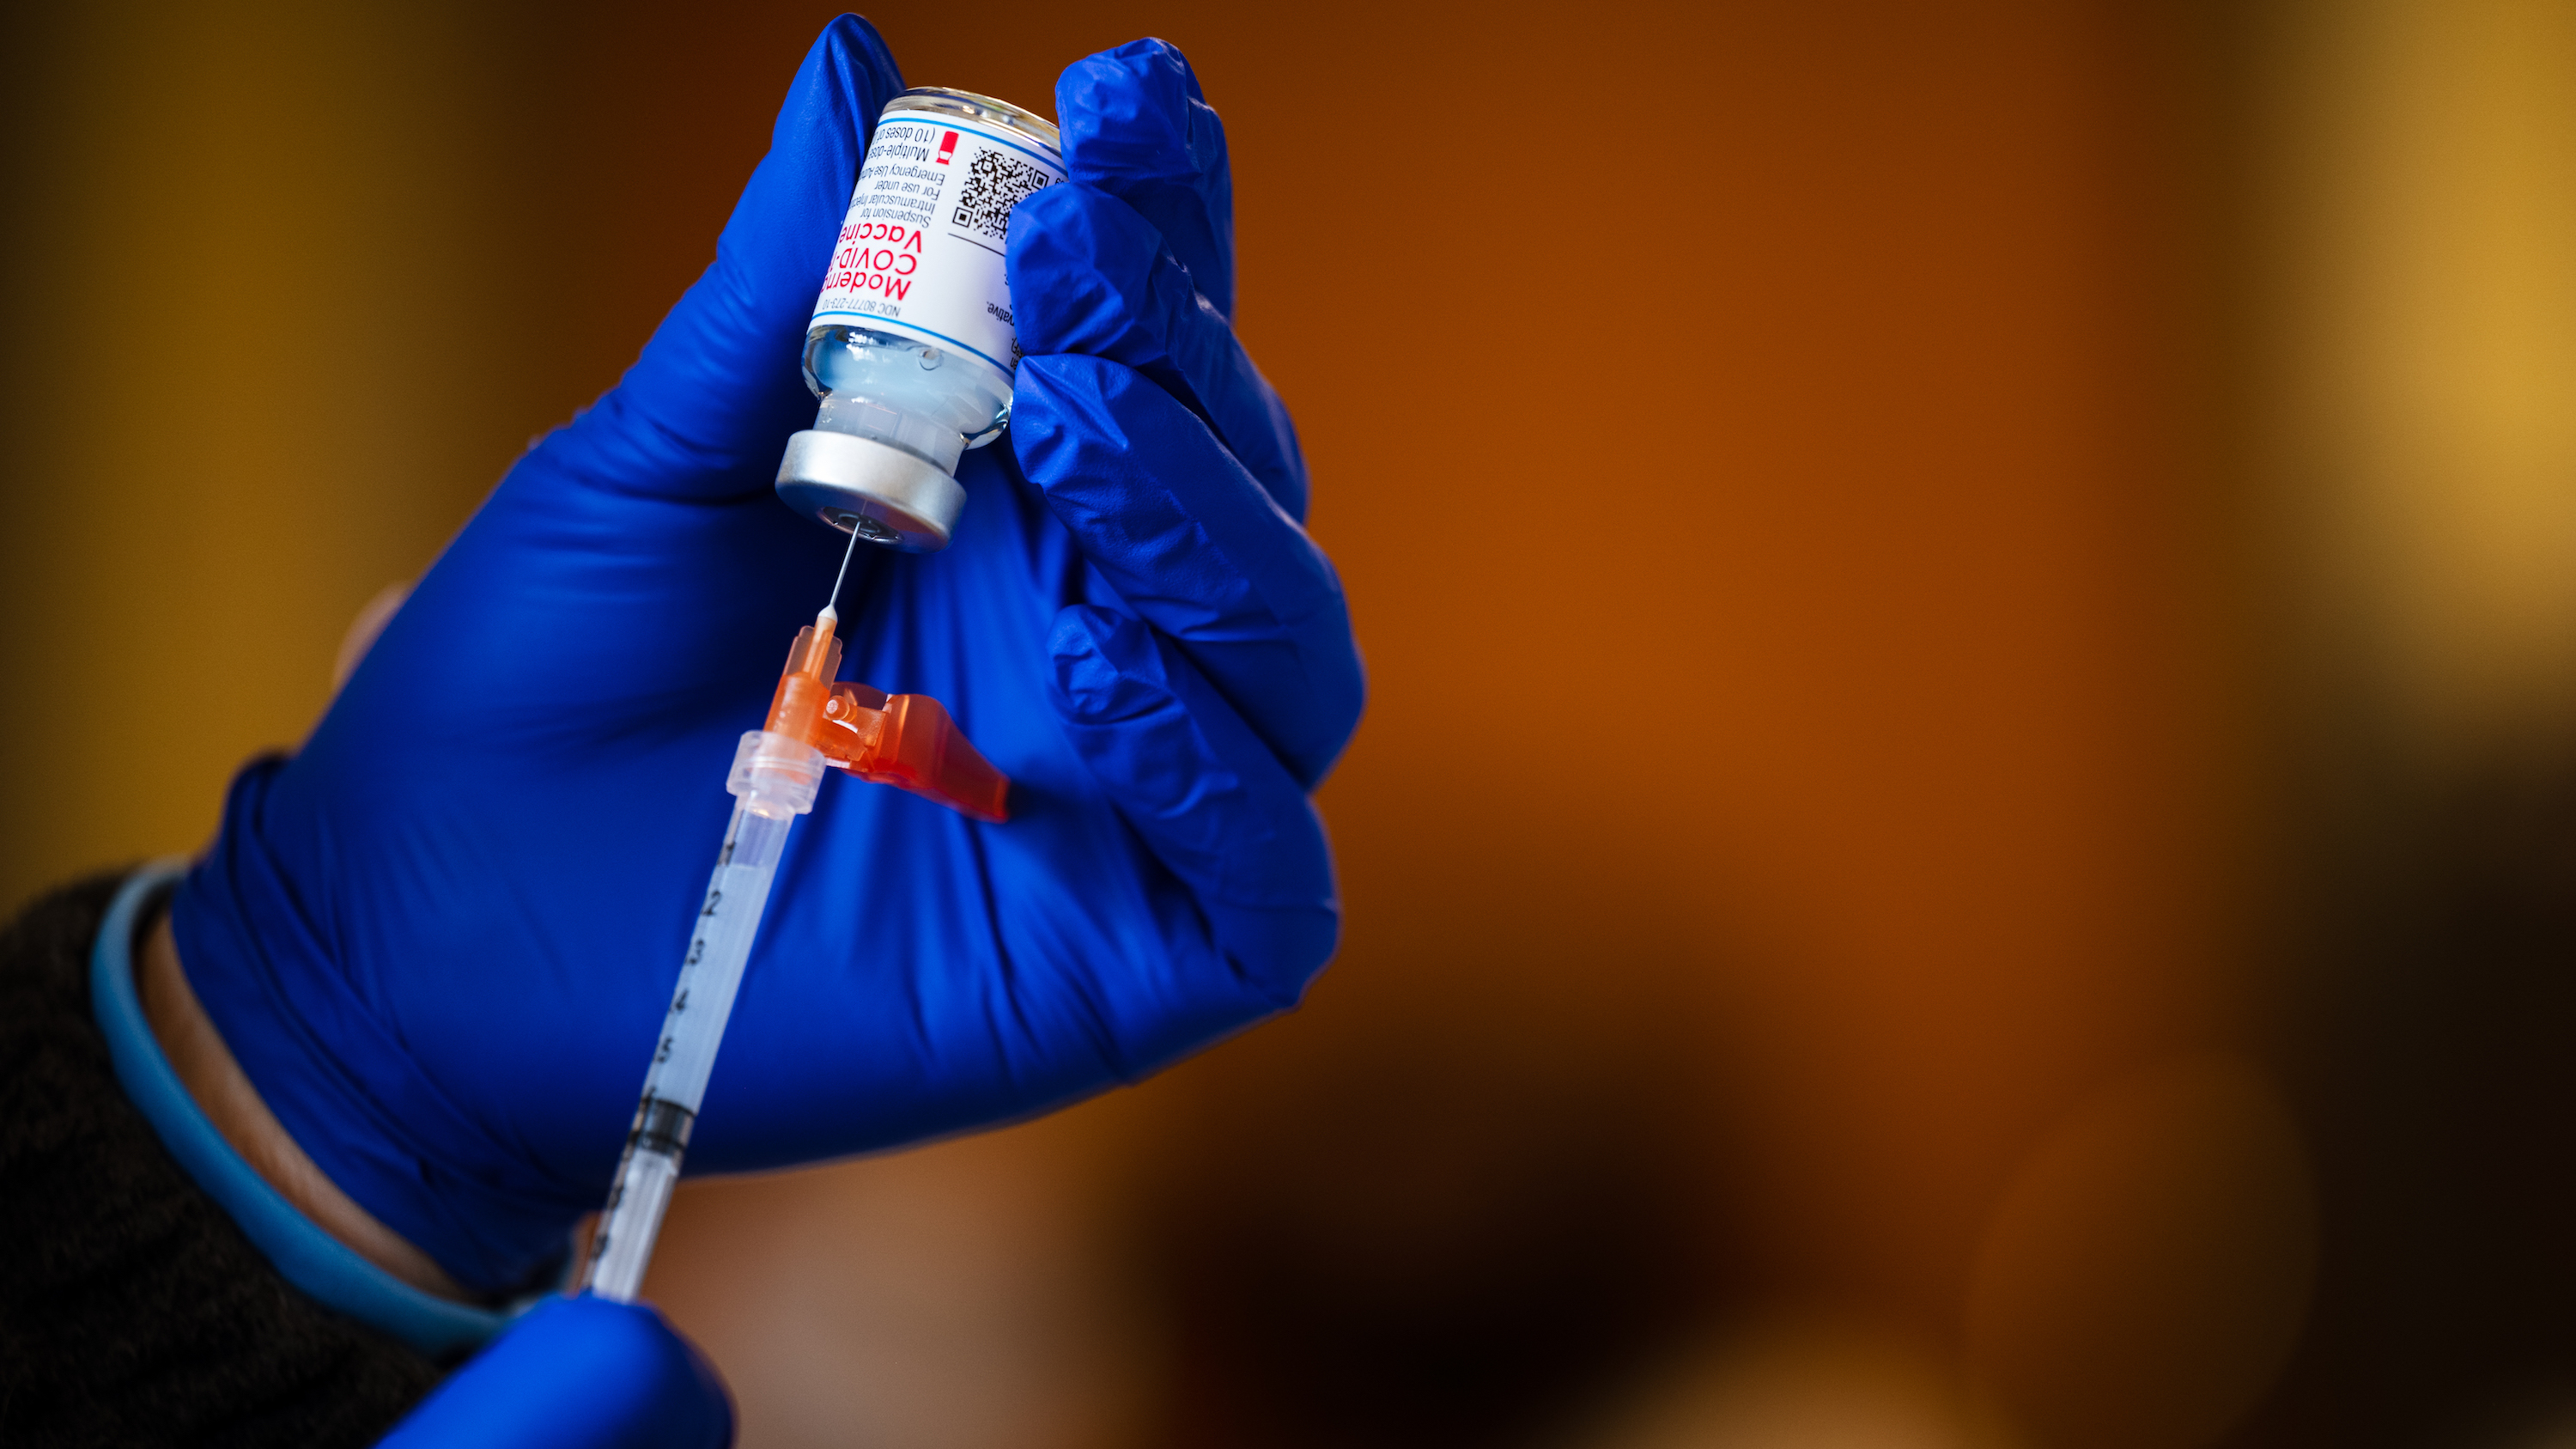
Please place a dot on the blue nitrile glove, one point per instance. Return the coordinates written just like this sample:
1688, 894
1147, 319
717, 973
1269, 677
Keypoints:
441, 938
576, 1373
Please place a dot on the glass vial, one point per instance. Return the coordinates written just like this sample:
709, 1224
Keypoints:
911, 347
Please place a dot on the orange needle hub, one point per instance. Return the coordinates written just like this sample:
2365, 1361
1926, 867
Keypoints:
904, 740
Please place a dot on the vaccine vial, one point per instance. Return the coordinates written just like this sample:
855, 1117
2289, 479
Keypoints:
911, 348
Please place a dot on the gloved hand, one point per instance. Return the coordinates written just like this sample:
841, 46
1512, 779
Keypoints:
576, 1373
440, 938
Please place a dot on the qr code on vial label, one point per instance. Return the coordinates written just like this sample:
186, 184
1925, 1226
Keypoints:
995, 182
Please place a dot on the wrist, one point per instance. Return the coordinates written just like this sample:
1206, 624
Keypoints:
205, 1067
322, 1266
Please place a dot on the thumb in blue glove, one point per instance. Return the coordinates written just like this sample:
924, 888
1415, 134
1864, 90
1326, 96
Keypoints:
577, 1373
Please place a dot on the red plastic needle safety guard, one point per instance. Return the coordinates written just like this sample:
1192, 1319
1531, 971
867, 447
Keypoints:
904, 740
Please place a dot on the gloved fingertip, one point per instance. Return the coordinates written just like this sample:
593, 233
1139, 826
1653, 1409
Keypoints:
1136, 125
822, 129
719, 383
1133, 96
848, 60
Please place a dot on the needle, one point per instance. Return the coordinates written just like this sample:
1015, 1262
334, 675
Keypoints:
830, 609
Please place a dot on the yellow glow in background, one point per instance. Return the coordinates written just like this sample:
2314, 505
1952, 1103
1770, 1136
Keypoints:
1821, 852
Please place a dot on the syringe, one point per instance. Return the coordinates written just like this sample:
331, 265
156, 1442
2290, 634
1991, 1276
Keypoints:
773, 781
904, 740
776, 772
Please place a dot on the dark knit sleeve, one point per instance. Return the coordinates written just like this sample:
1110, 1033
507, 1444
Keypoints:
132, 1311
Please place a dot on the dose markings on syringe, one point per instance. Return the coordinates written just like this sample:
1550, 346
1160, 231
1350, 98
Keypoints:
711, 973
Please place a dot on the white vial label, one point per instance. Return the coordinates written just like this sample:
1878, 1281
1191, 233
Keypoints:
920, 253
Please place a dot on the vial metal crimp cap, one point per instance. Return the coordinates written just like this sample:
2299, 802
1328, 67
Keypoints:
876, 490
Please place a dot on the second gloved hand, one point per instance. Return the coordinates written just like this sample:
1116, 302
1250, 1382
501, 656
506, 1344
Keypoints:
440, 938
576, 1373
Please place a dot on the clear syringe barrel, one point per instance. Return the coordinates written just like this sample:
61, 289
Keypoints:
774, 780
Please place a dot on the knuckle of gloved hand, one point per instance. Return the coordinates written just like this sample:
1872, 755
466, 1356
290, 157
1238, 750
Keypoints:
1086, 268
1280, 952
1107, 668
1069, 423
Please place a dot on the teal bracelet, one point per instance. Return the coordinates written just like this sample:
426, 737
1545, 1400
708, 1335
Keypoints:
327, 1269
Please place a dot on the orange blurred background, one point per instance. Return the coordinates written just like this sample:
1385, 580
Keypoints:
1907, 552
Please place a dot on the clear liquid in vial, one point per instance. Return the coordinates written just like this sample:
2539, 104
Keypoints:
930, 401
